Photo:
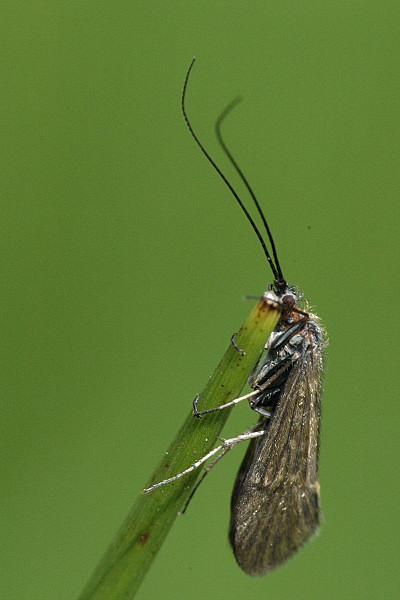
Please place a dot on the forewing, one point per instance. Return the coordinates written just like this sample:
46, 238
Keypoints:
275, 505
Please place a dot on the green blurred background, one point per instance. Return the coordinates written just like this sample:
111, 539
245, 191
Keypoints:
124, 261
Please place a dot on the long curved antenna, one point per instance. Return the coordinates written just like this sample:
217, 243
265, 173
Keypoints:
224, 179
224, 147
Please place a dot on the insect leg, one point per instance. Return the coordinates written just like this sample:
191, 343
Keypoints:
238, 350
198, 414
283, 339
247, 435
260, 388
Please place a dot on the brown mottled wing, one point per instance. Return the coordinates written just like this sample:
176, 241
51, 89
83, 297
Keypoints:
275, 501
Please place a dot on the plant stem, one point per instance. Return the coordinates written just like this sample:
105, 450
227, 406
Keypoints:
127, 560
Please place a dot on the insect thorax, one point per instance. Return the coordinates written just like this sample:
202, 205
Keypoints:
272, 371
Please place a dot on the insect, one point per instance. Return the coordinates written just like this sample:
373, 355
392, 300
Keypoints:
275, 505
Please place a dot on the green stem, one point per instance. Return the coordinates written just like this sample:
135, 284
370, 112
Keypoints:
127, 560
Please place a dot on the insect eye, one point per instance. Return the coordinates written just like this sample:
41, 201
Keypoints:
289, 300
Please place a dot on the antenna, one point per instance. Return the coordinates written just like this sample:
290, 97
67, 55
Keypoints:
277, 274
239, 171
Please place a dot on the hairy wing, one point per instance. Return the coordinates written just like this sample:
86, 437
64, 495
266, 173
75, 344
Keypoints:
275, 502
